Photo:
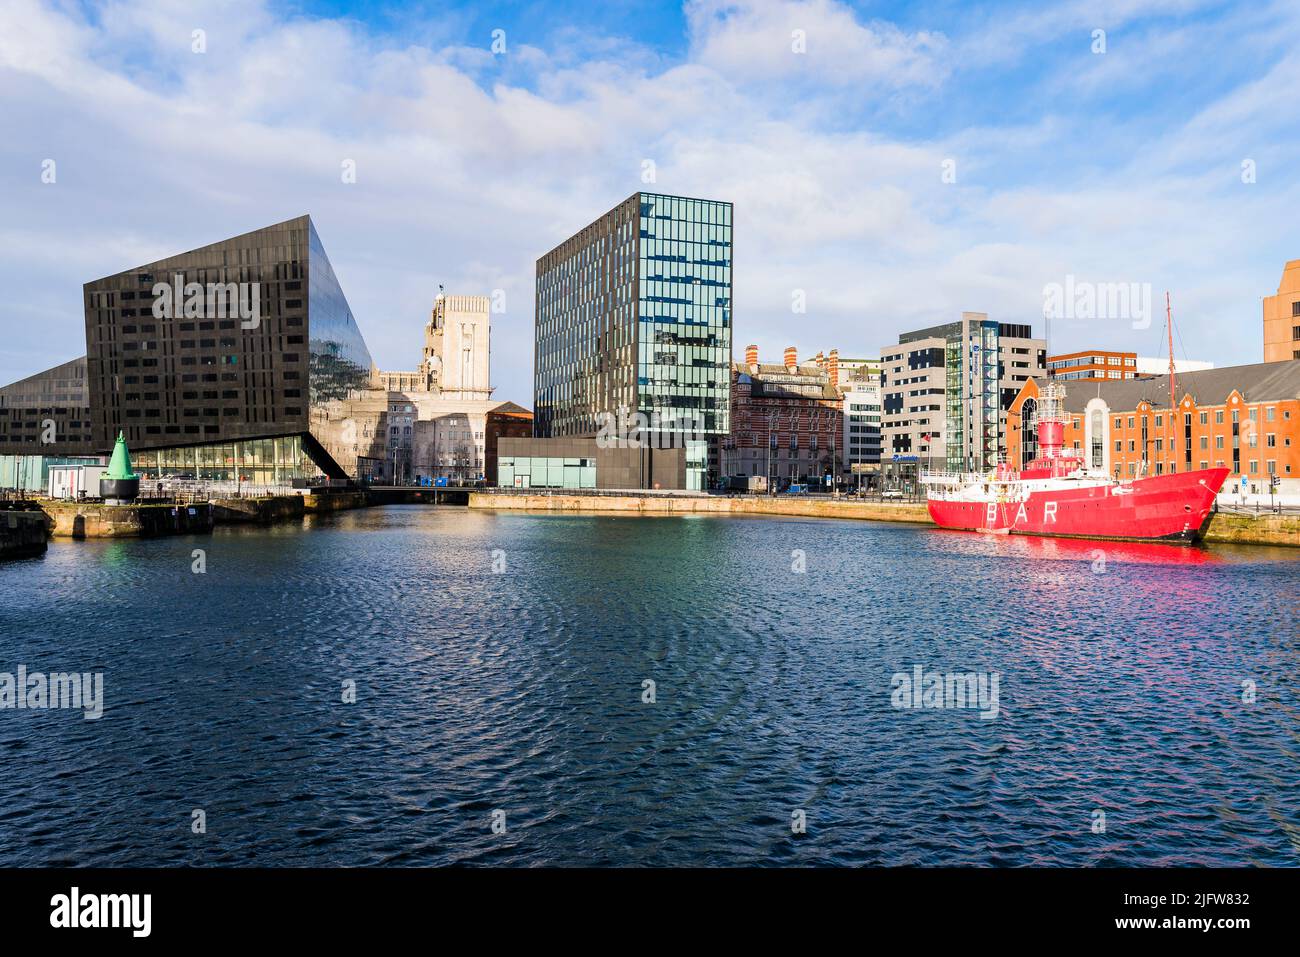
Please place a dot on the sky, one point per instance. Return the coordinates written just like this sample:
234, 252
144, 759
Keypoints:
891, 165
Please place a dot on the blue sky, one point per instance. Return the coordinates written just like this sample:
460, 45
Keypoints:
1121, 165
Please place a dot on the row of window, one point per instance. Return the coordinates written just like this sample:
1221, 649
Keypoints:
1252, 415
1252, 441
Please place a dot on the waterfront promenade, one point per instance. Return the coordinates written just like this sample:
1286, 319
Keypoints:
1244, 528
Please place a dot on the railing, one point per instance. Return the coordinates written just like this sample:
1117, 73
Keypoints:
1255, 508
956, 478
597, 492
201, 490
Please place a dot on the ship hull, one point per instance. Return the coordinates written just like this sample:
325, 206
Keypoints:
1174, 508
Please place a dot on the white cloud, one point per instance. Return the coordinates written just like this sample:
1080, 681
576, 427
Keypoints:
471, 166
819, 40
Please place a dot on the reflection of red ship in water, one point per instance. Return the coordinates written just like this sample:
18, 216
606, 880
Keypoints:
1055, 495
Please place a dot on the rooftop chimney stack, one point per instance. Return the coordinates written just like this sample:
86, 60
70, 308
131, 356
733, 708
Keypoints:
751, 355
791, 359
833, 367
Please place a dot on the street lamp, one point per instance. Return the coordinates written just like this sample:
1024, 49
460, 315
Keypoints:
771, 424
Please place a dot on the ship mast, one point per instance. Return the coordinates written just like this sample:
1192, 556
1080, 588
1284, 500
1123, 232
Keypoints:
1169, 323
1173, 388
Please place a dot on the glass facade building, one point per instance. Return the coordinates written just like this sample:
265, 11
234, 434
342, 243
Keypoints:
971, 362
240, 359
634, 316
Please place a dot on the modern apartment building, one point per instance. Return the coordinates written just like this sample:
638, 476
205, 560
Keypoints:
1282, 317
945, 392
861, 457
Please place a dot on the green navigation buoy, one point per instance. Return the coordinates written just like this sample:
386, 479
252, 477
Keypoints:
119, 467
119, 485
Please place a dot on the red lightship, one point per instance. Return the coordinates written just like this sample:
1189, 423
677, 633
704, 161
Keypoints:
1056, 495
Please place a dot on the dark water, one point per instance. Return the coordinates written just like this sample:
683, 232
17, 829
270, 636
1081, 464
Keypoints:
1120, 691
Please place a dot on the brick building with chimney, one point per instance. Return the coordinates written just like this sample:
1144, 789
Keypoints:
786, 419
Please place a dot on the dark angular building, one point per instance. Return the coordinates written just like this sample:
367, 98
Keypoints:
47, 413
240, 359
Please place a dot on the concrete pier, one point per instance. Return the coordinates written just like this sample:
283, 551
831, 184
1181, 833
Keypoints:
22, 534
335, 501
258, 511
806, 506
1264, 529
97, 520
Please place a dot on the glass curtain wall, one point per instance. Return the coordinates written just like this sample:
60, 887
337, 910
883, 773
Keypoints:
276, 461
684, 296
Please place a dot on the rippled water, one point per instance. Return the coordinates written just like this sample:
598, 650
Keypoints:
1121, 672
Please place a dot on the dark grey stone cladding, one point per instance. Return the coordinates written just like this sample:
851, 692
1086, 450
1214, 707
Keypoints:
620, 467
